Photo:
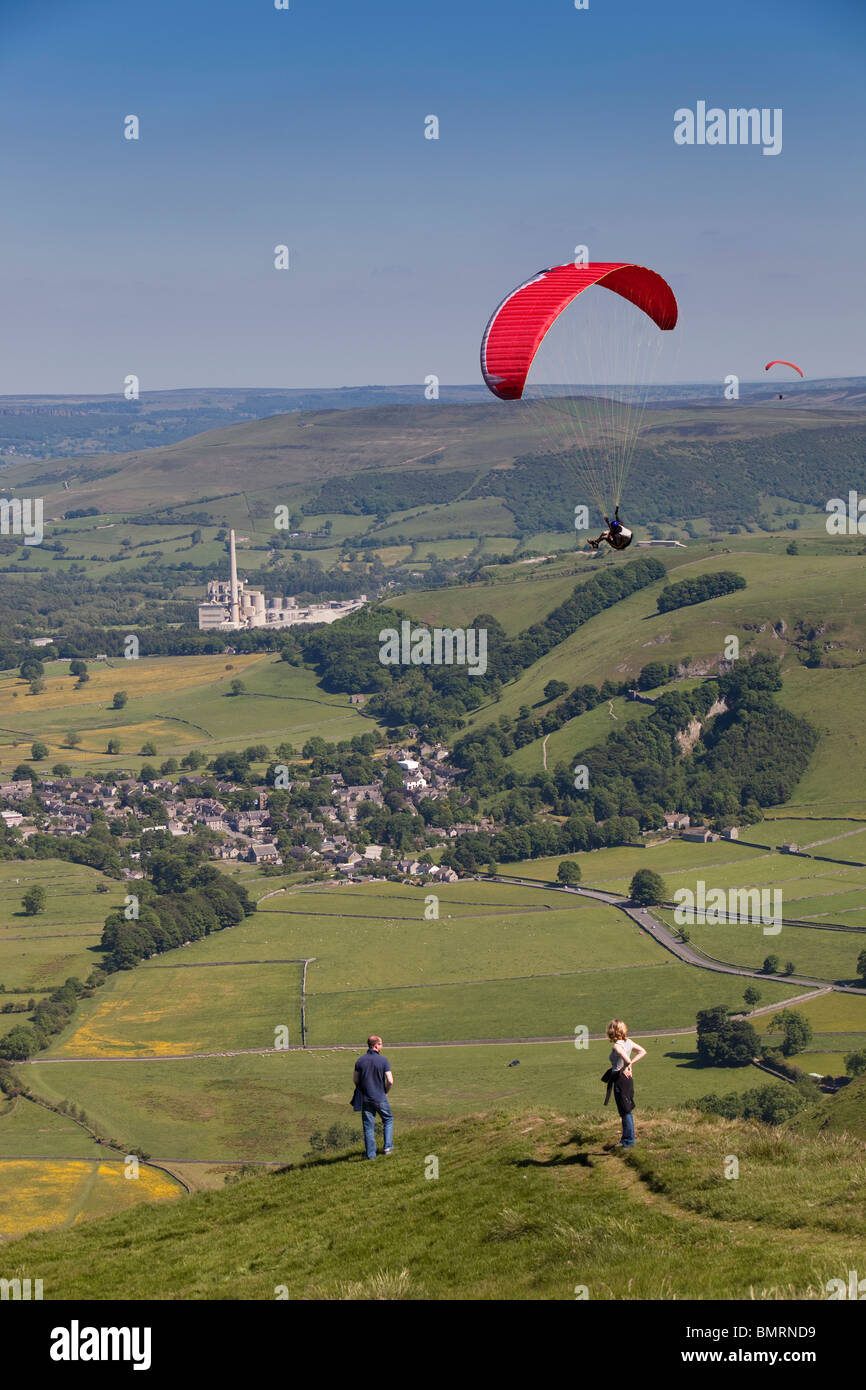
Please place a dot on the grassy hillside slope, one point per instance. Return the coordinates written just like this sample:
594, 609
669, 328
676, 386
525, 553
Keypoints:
844, 1113
290, 456
532, 1208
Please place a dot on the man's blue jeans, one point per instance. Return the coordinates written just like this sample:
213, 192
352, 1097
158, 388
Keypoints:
627, 1140
371, 1109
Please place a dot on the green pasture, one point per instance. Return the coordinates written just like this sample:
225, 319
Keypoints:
480, 516
603, 868
38, 953
178, 703
800, 881
41, 963
160, 1011
518, 603
663, 994
828, 1013
827, 590
827, 1063
835, 702
454, 898
71, 898
30, 1129
546, 542
824, 955
841, 834
266, 1107
564, 745
356, 951
837, 909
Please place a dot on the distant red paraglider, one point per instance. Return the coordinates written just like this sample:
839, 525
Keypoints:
793, 365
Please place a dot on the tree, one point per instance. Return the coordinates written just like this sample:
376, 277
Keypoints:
751, 997
38, 751
568, 871
861, 966
77, 668
796, 1031
34, 900
771, 1104
61, 770
257, 753
771, 965
148, 749
119, 699
725, 1042
19, 1044
339, 1136
237, 687
647, 888
652, 675
113, 746
31, 669
554, 688
37, 686
73, 738
855, 1062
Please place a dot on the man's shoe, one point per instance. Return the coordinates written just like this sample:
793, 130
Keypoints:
389, 1151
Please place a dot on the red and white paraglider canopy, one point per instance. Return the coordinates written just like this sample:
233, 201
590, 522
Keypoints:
517, 328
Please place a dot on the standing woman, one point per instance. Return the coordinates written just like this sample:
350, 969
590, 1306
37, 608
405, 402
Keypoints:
623, 1055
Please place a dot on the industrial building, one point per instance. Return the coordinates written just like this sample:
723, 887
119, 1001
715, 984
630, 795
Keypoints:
231, 607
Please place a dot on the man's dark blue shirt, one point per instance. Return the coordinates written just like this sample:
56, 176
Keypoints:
371, 1070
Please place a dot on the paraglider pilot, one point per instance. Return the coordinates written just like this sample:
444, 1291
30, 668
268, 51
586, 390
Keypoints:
617, 535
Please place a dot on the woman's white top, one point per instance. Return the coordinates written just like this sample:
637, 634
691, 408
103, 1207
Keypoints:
616, 1059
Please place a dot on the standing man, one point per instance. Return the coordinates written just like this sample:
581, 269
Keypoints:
373, 1080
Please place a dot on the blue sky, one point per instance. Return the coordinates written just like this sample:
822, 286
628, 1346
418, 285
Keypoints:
306, 127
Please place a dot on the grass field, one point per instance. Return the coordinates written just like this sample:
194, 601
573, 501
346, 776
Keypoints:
376, 963
39, 953
582, 732
541, 1208
821, 696
50, 1194
162, 1011
517, 604
831, 1012
178, 703
386, 941
830, 956
31, 1130
603, 868
828, 589
266, 1107
663, 994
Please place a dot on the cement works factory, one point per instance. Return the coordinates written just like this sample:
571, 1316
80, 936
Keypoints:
231, 607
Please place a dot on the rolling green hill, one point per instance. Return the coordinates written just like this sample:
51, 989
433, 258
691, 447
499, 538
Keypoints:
692, 461
543, 1207
844, 1113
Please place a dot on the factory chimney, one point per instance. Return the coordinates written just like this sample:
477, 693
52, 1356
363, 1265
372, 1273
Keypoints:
236, 612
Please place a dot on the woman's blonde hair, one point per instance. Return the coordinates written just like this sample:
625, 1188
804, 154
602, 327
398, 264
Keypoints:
617, 1029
